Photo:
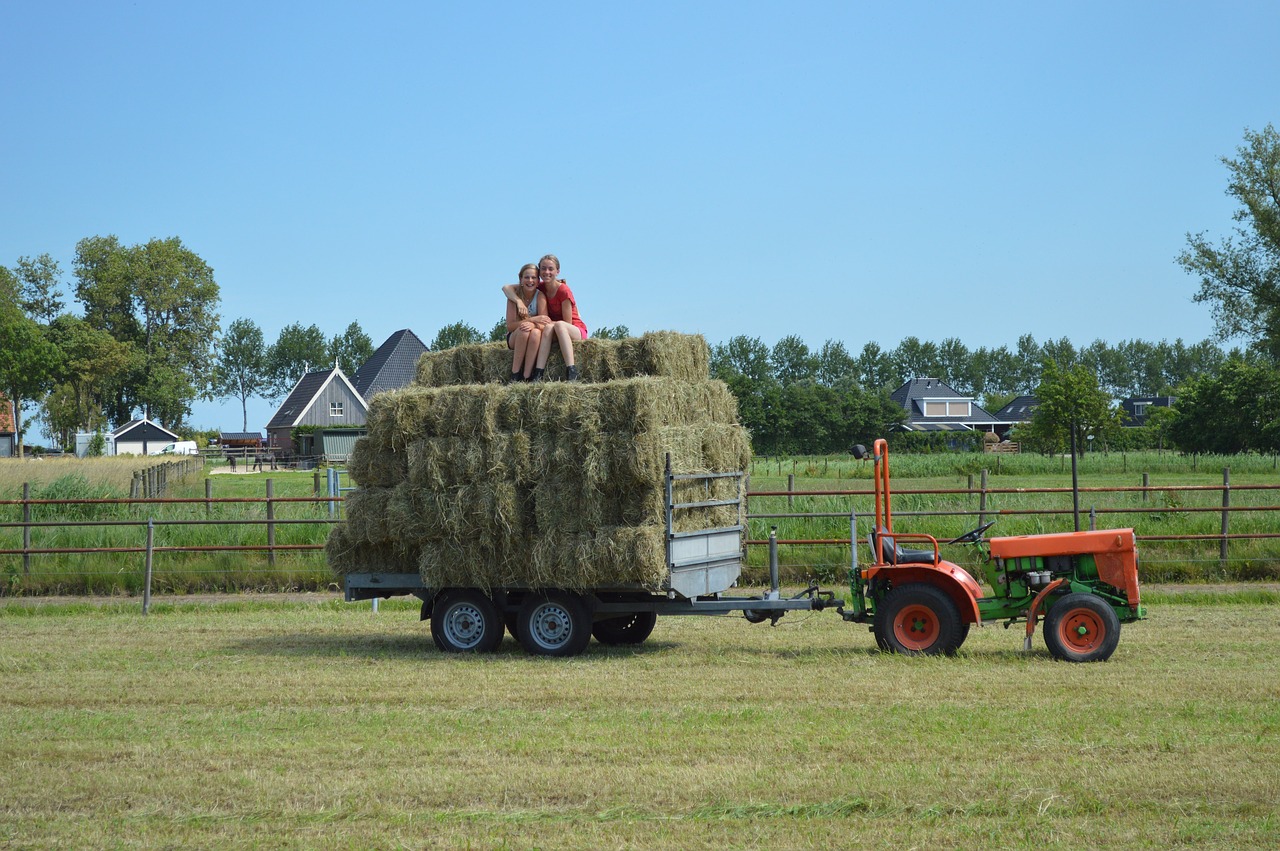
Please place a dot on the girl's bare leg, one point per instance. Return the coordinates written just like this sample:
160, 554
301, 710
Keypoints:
534, 342
566, 333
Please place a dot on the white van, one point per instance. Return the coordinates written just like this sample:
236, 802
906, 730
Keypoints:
182, 447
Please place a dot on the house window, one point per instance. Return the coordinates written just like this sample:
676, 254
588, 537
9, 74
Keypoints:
946, 409
1140, 409
335, 409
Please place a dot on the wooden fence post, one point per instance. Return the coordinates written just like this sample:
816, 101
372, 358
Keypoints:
208, 497
791, 485
982, 500
1226, 513
1146, 483
26, 528
146, 588
271, 526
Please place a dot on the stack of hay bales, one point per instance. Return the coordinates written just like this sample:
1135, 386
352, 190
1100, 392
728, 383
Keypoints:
474, 482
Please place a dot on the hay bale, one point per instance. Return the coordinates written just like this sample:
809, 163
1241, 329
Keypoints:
347, 556
372, 467
610, 557
666, 354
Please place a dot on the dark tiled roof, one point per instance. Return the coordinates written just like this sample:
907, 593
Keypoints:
303, 392
239, 435
1019, 410
392, 366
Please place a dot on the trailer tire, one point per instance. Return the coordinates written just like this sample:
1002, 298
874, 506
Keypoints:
1081, 628
918, 619
633, 628
554, 623
464, 620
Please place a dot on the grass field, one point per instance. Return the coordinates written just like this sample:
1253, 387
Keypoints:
294, 725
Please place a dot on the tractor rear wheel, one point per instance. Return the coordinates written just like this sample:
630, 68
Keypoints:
464, 620
1081, 628
626, 629
919, 619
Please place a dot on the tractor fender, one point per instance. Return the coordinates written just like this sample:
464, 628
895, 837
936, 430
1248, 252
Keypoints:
951, 579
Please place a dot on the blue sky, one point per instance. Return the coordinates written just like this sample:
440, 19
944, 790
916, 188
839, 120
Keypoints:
847, 171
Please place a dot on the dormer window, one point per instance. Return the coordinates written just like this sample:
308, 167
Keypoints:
947, 407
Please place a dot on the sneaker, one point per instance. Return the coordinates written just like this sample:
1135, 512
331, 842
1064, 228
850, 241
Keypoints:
571, 373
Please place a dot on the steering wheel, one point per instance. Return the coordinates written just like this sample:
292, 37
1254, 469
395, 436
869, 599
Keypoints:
974, 536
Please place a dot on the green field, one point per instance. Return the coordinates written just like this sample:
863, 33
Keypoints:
323, 724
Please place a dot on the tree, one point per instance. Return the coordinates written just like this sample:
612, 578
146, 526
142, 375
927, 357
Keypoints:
28, 361
792, 361
41, 282
1235, 410
242, 365
161, 299
914, 359
456, 334
876, 368
295, 352
835, 364
350, 349
1240, 277
604, 332
93, 363
747, 357
1070, 402
498, 333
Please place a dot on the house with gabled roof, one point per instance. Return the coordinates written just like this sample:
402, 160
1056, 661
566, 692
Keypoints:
139, 437
322, 398
392, 366
932, 405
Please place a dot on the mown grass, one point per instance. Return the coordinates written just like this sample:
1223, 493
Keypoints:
328, 726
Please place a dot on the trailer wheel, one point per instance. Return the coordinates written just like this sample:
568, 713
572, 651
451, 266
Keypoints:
918, 619
465, 621
554, 623
1081, 628
628, 629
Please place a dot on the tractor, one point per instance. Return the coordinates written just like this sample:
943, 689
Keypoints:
1084, 584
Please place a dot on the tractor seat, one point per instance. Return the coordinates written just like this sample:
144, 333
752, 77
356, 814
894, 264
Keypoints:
891, 553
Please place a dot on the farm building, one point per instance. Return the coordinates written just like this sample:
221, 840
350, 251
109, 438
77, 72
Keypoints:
321, 399
139, 437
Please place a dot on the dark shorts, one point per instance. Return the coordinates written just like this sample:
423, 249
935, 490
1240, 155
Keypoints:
509, 346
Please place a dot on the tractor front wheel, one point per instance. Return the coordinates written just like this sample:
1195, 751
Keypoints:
1081, 628
919, 619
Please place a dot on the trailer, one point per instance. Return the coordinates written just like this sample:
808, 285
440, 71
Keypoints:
701, 565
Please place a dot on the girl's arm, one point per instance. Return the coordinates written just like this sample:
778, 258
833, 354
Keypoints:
509, 290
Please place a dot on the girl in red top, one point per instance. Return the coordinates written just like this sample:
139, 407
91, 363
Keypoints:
562, 308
